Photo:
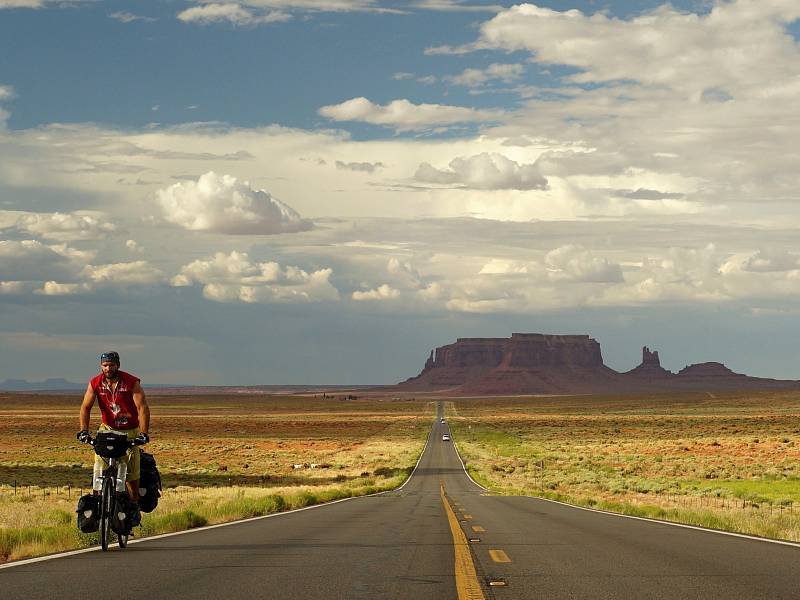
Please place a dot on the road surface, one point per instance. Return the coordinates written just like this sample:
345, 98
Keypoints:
440, 537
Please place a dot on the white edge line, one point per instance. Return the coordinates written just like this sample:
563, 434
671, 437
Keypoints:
673, 523
28, 561
463, 466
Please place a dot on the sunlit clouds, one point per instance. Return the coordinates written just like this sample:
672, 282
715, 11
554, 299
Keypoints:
398, 172
221, 203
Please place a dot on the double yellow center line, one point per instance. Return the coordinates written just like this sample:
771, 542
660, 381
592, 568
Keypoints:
467, 584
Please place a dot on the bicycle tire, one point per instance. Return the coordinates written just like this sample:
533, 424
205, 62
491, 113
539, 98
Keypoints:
106, 511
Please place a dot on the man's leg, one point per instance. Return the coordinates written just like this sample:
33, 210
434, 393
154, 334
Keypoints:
133, 490
97, 472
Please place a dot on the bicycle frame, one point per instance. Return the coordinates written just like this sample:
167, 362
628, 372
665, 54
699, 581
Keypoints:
110, 482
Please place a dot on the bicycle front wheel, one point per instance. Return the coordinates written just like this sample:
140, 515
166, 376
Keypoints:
106, 511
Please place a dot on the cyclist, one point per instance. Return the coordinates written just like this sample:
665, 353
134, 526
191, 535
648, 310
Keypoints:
123, 409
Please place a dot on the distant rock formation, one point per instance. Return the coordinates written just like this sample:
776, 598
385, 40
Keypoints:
650, 367
535, 363
53, 384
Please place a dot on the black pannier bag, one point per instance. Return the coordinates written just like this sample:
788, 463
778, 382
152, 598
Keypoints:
122, 519
111, 445
149, 483
88, 513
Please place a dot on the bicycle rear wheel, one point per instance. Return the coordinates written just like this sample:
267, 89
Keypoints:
106, 511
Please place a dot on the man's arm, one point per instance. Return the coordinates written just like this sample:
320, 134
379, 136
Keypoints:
141, 405
86, 407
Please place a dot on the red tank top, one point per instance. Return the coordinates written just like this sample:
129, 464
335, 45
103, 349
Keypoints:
116, 401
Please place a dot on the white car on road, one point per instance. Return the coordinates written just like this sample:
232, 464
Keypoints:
446, 437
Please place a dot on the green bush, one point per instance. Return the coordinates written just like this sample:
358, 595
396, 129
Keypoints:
174, 521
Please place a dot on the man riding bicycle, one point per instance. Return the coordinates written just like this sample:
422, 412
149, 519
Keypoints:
123, 409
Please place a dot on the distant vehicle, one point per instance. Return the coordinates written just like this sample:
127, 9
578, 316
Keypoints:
445, 438
442, 421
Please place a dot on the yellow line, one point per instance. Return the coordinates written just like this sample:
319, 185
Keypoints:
499, 556
467, 584
478, 529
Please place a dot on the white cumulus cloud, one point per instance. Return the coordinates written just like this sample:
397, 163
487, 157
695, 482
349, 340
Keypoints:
382, 292
574, 263
230, 12
32, 260
21, 3
404, 114
485, 171
128, 17
124, 274
65, 227
133, 246
12, 288
234, 277
767, 261
223, 204
736, 45
54, 288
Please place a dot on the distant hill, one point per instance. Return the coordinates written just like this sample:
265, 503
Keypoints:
534, 363
53, 384
64, 385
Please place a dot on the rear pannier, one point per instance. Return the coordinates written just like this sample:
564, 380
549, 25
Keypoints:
149, 483
88, 513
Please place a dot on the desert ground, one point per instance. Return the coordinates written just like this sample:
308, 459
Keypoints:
724, 460
220, 458
729, 460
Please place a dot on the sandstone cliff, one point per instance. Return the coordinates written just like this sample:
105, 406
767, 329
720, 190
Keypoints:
535, 363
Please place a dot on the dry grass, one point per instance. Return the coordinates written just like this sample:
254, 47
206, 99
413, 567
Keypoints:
729, 461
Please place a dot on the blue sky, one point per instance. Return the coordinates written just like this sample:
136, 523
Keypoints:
320, 191
79, 64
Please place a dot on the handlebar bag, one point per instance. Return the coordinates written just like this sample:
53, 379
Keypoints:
109, 444
149, 482
88, 513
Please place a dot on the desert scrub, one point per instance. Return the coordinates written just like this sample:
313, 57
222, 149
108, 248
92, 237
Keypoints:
221, 458
721, 462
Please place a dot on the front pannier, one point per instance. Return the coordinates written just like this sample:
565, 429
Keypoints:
109, 444
122, 519
149, 483
88, 513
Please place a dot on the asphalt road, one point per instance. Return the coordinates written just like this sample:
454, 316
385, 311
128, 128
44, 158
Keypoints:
412, 544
